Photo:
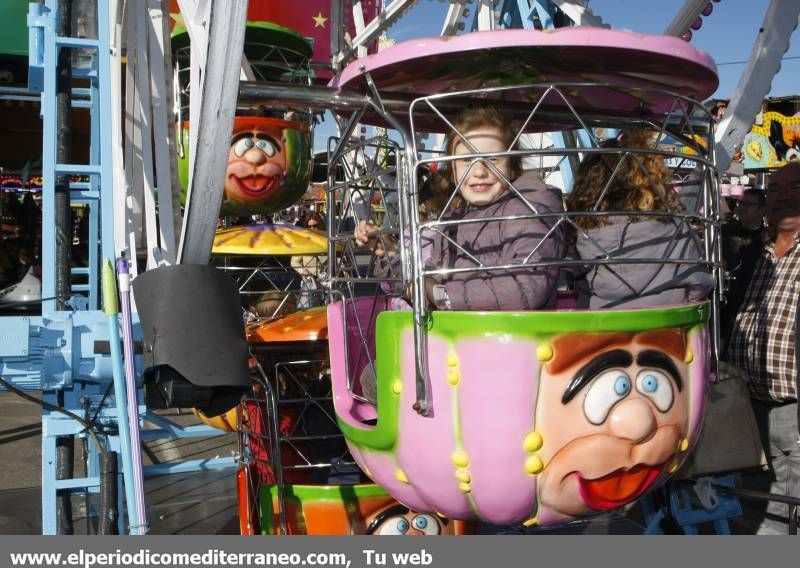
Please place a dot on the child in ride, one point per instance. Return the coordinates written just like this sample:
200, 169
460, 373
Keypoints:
635, 183
487, 188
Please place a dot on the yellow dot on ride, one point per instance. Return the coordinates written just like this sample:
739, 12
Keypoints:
544, 352
533, 442
689, 356
673, 468
460, 458
287, 329
684, 444
464, 487
397, 387
462, 474
366, 471
306, 318
532, 522
401, 476
452, 360
453, 377
534, 465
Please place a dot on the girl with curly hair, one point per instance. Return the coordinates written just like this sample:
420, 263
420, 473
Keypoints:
623, 184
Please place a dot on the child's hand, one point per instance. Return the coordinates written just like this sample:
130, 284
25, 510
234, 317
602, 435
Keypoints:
363, 232
364, 235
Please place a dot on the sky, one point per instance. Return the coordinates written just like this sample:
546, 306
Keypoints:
728, 34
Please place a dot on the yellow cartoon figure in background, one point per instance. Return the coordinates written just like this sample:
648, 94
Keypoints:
773, 143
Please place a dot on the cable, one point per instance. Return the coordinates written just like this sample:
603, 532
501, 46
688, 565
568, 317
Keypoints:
743, 62
25, 304
44, 404
101, 403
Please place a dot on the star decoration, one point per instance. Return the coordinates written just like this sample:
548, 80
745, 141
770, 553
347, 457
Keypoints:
319, 20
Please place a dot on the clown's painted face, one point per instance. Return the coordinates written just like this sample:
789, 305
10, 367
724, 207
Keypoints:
256, 166
399, 521
614, 407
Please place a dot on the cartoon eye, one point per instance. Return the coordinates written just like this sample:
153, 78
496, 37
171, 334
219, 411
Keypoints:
426, 524
396, 526
242, 146
605, 391
267, 147
656, 386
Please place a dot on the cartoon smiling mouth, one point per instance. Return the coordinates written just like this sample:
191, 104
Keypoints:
256, 185
618, 488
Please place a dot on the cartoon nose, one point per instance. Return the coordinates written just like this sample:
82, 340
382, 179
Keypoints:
632, 419
255, 156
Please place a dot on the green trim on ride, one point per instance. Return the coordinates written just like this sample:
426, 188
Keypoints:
302, 493
544, 324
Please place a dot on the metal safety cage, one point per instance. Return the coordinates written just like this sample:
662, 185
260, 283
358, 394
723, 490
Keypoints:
273, 276
287, 429
681, 131
685, 125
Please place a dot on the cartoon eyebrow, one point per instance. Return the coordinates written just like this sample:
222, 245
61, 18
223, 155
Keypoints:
267, 137
240, 136
396, 511
653, 358
607, 360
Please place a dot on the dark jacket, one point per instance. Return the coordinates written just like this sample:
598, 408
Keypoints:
741, 249
638, 285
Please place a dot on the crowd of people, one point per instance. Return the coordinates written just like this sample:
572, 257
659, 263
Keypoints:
20, 236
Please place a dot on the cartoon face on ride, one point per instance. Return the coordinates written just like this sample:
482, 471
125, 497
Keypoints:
398, 520
265, 164
269, 165
619, 398
533, 419
256, 167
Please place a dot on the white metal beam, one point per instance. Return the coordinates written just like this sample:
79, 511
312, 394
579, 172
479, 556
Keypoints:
755, 83
577, 11
486, 15
374, 29
220, 86
358, 20
684, 18
454, 15
163, 138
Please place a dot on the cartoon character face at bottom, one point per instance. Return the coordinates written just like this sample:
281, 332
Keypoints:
613, 410
256, 164
398, 520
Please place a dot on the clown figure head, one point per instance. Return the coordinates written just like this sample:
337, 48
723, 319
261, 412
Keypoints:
256, 161
398, 520
613, 409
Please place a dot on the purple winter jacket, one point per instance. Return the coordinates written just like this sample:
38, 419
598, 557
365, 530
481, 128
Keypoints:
497, 243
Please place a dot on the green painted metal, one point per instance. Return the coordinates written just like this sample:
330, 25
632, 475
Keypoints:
14, 27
